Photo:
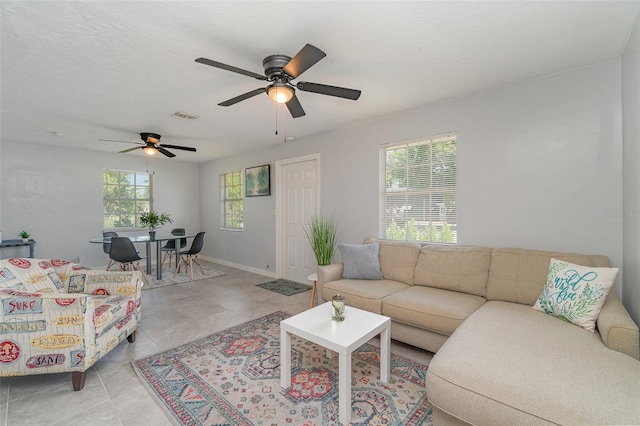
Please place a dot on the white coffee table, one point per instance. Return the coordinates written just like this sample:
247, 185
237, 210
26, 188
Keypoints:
342, 337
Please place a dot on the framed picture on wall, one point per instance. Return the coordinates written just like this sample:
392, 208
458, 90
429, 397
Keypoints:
257, 181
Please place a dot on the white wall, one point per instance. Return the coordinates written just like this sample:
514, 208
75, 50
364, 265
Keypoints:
539, 165
631, 218
253, 247
1, 191
56, 195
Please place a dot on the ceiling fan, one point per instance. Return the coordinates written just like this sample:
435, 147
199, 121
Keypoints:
151, 145
280, 70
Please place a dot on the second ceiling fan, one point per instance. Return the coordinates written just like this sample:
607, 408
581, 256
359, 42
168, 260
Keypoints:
280, 70
151, 145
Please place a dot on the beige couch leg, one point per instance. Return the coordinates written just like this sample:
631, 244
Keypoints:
77, 378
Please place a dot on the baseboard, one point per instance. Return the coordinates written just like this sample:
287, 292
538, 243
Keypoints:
258, 271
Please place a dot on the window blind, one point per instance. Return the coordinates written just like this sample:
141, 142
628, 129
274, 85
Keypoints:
231, 206
125, 195
418, 190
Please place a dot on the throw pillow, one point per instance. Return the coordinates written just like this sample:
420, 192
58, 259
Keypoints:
361, 262
575, 293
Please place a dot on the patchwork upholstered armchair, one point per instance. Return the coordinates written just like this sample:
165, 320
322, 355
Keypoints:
58, 316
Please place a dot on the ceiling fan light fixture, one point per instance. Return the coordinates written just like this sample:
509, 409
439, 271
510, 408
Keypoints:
150, 150
280, 93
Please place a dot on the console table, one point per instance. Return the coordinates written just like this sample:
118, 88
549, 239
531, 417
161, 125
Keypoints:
18, 243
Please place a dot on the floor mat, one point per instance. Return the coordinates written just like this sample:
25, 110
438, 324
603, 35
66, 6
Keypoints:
285, 287
181, 277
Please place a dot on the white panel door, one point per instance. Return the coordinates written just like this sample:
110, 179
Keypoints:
300, 189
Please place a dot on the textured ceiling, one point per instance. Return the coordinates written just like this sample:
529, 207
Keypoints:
74, 72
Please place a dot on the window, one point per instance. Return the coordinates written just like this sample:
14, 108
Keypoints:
125, 196
231, 200
418, 190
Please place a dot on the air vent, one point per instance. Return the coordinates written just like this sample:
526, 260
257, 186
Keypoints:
185, 115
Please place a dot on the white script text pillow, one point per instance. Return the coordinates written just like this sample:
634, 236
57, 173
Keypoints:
575, 293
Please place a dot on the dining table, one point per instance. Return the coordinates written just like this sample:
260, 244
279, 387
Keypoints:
147, 239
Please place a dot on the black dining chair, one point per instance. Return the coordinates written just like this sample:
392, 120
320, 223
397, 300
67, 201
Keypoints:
169, 248
126, 256
188, 256
106, 247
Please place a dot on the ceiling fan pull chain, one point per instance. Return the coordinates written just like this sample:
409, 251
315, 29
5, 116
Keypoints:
285, 131
276, 105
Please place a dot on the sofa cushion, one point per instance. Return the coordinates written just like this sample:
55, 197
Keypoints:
575, 293
398, 260
463, 269
510, 364
518, 275
433, 309
29, 275
361, 262
363, 294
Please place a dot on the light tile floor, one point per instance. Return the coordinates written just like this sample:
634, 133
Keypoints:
171, 316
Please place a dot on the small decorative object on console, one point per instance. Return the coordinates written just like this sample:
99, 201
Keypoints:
25, 236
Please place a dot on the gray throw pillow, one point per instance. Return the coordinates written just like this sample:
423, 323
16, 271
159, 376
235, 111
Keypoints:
361, 262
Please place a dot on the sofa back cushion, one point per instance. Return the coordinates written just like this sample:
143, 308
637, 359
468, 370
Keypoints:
518, 275
463, 269
397, 259
29, 275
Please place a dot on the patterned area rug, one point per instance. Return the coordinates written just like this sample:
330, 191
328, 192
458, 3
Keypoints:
285, 287
233, 378
182, 277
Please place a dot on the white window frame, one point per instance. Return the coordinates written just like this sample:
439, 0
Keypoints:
231, 204
142, 203
424, 209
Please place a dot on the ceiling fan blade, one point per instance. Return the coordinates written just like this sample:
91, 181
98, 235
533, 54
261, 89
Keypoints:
226, 67
295, 108
128, 150
165, 152
242, 97
325, 89
113, 140
307, 57
184, 148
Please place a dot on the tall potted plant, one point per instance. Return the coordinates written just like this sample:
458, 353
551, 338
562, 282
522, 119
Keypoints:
322, 231
153, 220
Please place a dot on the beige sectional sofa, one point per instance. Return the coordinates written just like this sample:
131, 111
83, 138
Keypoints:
498, 361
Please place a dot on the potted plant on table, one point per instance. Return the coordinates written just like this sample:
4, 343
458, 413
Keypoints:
153, 220
25, 236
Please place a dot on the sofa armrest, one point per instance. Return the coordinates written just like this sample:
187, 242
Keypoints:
80, 279
124, 283
326, 274
617, 329
55, 332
